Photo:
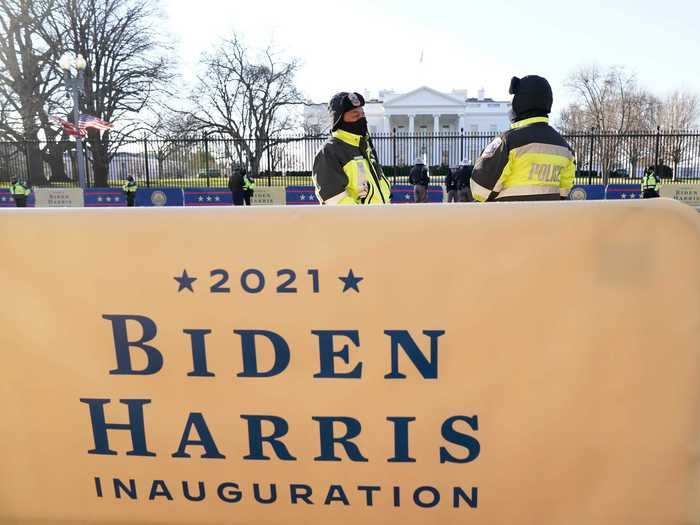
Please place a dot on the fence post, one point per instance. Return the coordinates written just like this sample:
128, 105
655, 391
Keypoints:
461, 144
87, 170
393, 151
206, 158
656, 153
148, 171
590, 159
269, 163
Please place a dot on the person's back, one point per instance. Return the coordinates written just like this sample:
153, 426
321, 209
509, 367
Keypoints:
235, 184
463, 178
418, 176
651, 184
452, 185
20, 192
530, 162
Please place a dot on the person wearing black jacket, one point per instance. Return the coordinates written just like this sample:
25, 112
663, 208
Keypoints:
464, 175
531, 161
235, 184
418, 176
452, 185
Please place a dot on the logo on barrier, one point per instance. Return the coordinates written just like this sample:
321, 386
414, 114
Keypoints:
158, 198
578, 194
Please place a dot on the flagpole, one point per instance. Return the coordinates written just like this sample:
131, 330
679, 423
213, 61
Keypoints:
82, 179
75, 86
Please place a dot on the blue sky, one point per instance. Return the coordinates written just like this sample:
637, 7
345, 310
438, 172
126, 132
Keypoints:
376, 45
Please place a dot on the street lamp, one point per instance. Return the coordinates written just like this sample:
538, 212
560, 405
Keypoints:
73, 67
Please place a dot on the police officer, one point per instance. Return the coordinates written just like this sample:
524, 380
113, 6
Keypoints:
248, 188
530, 162
129, 189
346, 169
451, 185
650, 184
20, 192
418, 176
235, 184
464, 176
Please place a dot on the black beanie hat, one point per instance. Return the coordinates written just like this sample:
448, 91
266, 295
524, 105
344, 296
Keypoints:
342, 102
532, 97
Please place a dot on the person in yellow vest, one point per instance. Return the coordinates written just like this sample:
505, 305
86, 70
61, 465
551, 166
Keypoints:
530, 162
248, 187
20, 192
130, 188
650, 184
346, 169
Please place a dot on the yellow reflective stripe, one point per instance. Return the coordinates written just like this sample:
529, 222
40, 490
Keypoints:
349, 138
358, 171
479, 192
527, 122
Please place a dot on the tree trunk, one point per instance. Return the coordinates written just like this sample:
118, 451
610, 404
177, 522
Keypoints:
35, 164
53, 154
100, 161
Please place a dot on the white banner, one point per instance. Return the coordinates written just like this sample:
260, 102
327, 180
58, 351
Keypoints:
59, 198
269, 196
687, 193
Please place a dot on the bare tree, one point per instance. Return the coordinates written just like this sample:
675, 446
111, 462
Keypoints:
246, 98
679, 112
29, 82
175, 137
126, 64
611, 102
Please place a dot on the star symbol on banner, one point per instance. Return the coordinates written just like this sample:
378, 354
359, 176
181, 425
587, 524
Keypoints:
99, 199
407, 197
200, 199
208, 198
185, 281
116, 199
351, 282
217, 199
303, 197
109, 199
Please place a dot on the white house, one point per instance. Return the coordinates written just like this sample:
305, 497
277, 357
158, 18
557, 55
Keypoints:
424, 110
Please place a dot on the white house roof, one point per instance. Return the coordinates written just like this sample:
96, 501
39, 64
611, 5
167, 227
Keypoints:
424, 96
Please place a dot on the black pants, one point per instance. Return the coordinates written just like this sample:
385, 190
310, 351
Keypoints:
20, 201
650, 193
247, 196
130, 198
237, 198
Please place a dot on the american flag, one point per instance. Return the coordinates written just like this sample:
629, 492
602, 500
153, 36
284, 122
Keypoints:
68, 127
88, 121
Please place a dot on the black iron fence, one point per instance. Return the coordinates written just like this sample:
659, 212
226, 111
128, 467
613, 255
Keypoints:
207, 161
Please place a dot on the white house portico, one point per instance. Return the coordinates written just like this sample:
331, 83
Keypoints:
424, 110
